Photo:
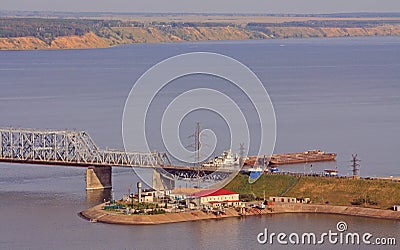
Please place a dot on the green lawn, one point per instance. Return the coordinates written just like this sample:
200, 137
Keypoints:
272, 184
337, 191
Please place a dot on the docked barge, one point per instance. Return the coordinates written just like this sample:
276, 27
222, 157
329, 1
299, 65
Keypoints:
292, 158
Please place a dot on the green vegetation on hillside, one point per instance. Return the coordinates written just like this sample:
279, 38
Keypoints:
273, 185
45, 29
335, 191
344, 191
114, 32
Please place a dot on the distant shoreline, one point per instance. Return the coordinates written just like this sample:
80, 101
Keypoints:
17, 33
97, 214
30, 43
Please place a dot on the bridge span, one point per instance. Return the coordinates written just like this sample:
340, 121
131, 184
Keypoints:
77, 149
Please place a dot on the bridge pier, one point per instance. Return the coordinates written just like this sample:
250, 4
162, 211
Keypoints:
161, 182
98, 178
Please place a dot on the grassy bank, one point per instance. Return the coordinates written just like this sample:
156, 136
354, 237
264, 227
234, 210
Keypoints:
336, 191
273, 185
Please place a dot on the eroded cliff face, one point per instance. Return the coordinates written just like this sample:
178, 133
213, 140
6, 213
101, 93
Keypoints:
89, 40
22, 43
127, 35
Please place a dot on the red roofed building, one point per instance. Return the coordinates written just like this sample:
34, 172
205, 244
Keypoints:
217, 198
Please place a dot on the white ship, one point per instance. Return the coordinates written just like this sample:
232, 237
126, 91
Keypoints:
225, 161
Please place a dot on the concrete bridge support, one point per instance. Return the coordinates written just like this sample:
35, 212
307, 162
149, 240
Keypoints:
162, 182
97, 196
98, 178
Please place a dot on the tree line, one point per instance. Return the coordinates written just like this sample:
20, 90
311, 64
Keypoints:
47, 29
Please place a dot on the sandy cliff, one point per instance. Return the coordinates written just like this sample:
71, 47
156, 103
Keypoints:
154, 34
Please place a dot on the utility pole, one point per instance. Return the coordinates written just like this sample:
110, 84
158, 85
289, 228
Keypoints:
355, 166
264, 160
197, 145
241, 154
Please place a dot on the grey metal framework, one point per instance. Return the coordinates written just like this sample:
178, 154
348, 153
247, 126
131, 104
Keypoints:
64, 147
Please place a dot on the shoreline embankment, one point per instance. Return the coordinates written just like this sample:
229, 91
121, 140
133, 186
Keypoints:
117, 36
97, 214
338, 210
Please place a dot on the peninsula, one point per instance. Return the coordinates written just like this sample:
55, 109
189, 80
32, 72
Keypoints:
374, 198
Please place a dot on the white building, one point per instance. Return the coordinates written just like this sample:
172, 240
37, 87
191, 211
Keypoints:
279, 199
217, 198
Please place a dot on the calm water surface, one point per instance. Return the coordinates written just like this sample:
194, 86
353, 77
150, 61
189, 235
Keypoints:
340, 95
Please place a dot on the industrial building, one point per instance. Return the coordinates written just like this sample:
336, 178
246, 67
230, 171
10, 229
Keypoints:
279, 199
217, 198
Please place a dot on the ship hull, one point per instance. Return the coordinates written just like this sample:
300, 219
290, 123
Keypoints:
303, 157
293, 158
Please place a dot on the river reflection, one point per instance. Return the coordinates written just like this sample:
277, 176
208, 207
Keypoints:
95, 197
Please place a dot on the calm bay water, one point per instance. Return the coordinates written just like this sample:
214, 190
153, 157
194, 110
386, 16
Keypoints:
339, 95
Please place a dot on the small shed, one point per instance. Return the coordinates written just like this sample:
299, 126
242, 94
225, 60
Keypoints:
396, 207
281, 199
303, 200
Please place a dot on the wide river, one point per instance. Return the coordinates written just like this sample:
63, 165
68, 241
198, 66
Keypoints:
339, 95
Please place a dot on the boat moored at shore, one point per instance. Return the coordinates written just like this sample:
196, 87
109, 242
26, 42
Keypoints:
301, 157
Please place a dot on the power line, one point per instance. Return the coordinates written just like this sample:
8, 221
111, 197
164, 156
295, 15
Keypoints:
197, 146
355, 166
242, 154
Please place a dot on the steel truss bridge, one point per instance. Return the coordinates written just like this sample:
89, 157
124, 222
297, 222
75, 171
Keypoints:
76, 148
68, 148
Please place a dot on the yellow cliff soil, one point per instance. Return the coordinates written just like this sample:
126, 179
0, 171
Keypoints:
22, 43
224, 33
89, 40
154, 34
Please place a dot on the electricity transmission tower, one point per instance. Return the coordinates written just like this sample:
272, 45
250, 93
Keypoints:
241, 154
197, 146
355, 166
